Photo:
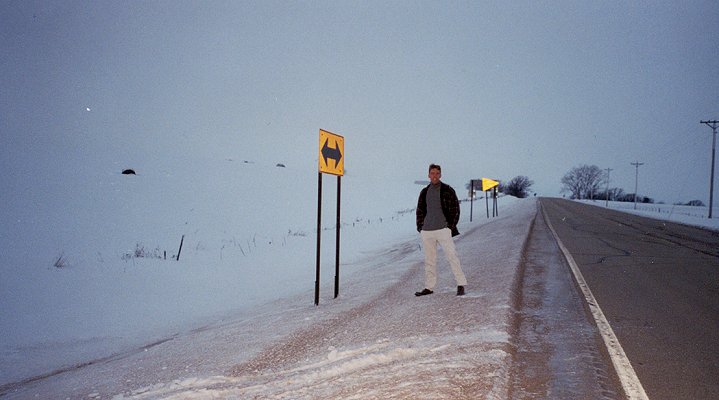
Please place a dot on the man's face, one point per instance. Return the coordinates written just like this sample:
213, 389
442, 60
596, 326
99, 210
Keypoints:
434, 176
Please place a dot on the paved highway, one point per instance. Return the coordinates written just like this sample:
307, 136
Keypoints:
559, 350
658, 285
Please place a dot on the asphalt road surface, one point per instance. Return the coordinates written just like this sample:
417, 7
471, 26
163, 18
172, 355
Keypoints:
559, 351
658, 285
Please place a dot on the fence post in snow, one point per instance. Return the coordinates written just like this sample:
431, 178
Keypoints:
180, 250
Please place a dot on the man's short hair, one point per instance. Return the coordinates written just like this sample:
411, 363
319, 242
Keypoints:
435, 166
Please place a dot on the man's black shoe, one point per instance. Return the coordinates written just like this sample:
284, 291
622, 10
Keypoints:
460, 290
424, 292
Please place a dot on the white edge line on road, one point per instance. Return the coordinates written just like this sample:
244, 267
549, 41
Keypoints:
633, 388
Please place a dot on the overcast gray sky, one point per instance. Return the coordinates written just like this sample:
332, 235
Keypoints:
487, 89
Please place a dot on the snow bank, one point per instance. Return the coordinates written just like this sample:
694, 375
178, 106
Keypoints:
89, 266
689, 215
377, 340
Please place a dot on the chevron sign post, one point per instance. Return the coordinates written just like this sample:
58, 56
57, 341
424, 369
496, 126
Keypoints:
331, 161
486, 185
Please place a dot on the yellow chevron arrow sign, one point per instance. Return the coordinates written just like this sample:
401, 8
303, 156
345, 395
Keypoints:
331, 154
488, 184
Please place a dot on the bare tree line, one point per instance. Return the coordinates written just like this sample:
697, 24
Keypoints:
590, 182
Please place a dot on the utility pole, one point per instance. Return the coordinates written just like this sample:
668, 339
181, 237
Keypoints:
606, 194
636, 183
713, 125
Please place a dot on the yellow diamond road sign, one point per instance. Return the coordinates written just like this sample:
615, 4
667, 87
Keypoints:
488, 184
332, 153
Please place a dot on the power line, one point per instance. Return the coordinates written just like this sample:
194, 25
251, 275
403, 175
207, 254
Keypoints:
713, 125
636, 182
606, 194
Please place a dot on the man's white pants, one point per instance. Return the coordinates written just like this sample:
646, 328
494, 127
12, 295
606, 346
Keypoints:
443, 237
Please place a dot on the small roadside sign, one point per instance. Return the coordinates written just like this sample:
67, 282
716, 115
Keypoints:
488, 184
331, 161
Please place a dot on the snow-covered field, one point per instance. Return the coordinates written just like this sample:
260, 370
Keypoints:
88, 265
361, 345
690, 215
378, 340
90, 273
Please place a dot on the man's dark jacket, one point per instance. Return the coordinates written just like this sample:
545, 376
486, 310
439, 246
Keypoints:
450, 207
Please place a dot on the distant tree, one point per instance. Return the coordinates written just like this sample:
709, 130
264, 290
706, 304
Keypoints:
583, 182
518, 187
696, 203
501, 187
614, 194
629, 198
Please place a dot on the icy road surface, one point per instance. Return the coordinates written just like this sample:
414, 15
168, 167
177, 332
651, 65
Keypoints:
376, 341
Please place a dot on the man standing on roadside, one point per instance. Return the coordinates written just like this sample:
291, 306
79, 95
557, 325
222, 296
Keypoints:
437, 218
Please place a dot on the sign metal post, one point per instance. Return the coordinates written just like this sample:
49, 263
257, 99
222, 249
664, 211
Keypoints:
471, 198
487, 185
331, 148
